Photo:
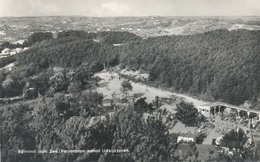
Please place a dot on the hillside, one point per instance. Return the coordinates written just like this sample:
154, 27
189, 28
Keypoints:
217, 65
54, 96
18, 29
220, 65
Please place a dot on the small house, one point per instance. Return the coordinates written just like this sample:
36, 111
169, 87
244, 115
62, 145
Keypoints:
186, 138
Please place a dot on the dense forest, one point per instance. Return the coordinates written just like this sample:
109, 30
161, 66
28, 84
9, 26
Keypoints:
218, 65
64, 122
72, 49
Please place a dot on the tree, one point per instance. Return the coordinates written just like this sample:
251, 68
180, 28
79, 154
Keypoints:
16, 133
8, 87
157, 103
141, 106
8, 84
75, 87
36, 38
63, 108
236, 136
188, 114
257, 150
90, 102
146, 140
58, 82
30, 93
200, 138
125, 87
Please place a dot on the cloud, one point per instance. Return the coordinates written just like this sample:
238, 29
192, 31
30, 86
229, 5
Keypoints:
129, 7
115, 8
26, 8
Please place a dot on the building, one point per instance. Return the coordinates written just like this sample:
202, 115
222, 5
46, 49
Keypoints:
211, 109
6, 51
186, 138
204, 110
116, 45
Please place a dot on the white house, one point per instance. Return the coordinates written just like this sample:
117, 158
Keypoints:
186, 137
6, 51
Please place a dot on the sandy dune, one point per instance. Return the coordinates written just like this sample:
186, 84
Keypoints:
113, 85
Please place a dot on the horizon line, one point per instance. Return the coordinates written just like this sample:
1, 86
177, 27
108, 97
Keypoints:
128, 16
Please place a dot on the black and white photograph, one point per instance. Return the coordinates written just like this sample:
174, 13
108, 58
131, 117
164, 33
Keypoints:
129, 80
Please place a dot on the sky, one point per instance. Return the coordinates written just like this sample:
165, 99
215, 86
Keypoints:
107, 8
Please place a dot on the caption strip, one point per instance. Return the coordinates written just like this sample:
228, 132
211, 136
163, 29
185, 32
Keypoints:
73, 151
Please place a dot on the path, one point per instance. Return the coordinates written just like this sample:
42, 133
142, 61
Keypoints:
113, 85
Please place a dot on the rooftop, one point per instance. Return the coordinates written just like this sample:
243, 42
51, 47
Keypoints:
214, 104
188, 134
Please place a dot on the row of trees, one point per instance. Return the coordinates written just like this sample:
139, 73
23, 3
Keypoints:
30, 80
114, 37
6, 60
70, 53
